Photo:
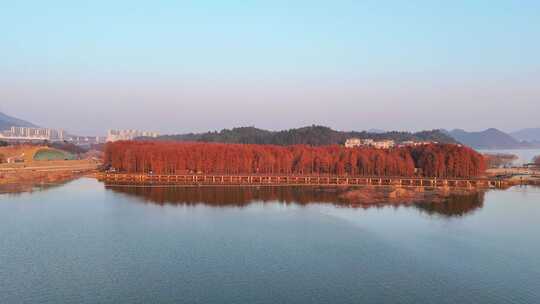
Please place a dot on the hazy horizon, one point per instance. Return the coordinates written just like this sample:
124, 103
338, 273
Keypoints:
195, 67
104, 131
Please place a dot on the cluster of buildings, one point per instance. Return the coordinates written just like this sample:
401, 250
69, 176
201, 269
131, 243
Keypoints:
115, 135
368, 142
26, 133
32, 134
410, 143
381, 144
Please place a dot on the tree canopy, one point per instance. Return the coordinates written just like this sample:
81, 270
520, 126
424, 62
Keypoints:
435, 160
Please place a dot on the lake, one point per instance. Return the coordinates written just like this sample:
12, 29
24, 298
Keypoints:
83, 242
524, 155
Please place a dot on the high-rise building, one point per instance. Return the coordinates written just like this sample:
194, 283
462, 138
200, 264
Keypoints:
115, 135
34, 133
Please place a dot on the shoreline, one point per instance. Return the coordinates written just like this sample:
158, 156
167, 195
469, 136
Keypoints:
18, 179
303, 180
25, 177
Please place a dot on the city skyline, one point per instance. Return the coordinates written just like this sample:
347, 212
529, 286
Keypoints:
181, 67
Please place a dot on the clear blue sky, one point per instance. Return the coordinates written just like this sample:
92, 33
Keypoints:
177, 66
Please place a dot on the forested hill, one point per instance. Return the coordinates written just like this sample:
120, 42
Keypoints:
312, 135
487, 139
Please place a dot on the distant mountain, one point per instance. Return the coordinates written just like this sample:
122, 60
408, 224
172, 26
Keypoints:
7, 122
311, 135
529, 134
487, 139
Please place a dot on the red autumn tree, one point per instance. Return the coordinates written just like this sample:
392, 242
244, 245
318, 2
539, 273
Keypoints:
436, 160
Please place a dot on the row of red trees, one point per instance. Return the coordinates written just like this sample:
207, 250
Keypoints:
216, 158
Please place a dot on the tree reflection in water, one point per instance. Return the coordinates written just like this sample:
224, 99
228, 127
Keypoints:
449, 204
453, 205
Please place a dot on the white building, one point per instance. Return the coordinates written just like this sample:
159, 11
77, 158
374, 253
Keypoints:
384, 144
368, 142
410, 143
353, 142
115, 135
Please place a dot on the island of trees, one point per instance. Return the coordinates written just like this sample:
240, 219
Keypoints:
310, 135
167, 157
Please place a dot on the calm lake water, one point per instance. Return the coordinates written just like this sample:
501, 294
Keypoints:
524, 155
85, 243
